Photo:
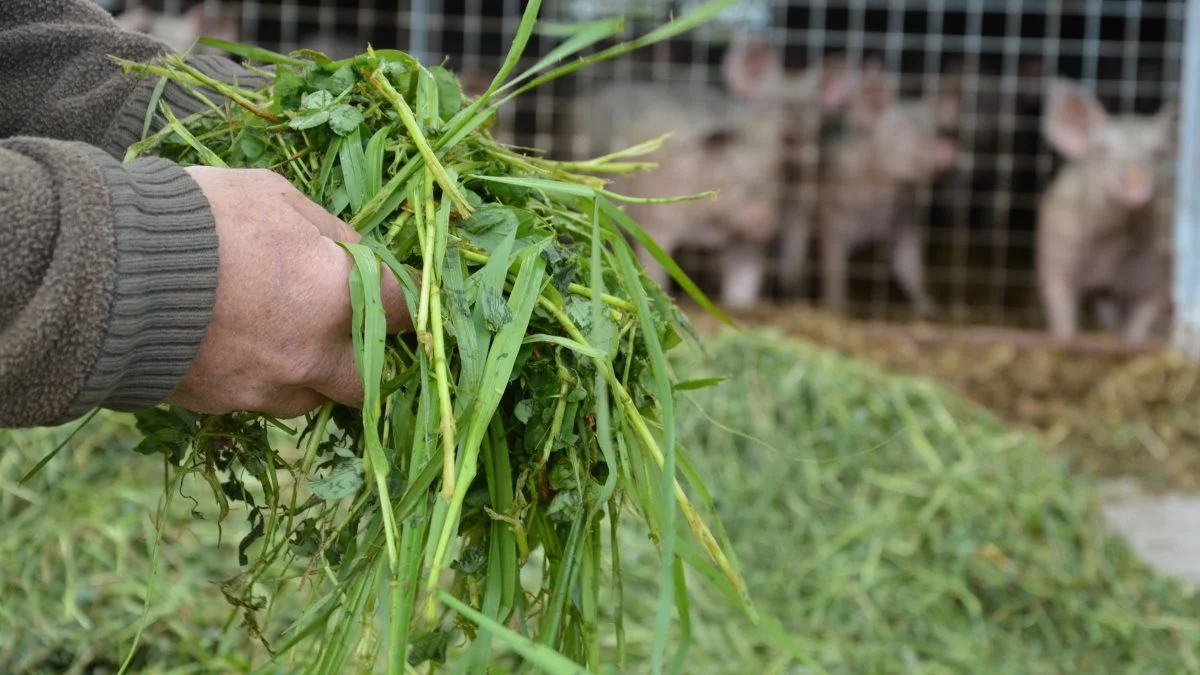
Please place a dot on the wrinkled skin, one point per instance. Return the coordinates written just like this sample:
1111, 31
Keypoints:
1104, 222
280, 339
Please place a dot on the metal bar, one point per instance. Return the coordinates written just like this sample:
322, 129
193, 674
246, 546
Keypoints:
1187, 212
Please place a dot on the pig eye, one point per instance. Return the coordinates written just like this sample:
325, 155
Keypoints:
718, 139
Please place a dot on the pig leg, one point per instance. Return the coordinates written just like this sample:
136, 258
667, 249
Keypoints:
742, 277
1144, 317
793, 254
835, 253
910, 269
1061, 304
1108, 314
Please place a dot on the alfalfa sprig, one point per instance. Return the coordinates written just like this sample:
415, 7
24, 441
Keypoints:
532, 400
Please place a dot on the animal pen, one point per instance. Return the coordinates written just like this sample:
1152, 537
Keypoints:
977, 221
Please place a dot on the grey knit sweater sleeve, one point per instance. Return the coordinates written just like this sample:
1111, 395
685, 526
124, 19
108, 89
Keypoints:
109, 270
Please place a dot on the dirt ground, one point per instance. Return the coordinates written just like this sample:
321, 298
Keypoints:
1113, 411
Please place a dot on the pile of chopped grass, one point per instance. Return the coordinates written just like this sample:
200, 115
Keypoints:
77, 555
893, 526
531, 408
1110, 413
890, 525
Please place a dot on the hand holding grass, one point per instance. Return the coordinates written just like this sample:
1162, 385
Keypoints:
279, 341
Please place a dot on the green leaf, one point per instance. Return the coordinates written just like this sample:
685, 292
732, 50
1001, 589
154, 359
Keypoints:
429, 646
354, 170
344, 119
635, 230
317, 100
700, 383
541, 656
449, 93
309, 121
344, 480
523, 411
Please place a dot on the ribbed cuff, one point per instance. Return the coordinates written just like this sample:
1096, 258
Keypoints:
128, 126
166, 284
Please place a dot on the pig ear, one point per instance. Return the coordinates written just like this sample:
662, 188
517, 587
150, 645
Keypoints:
836, 82
946, 105
224, 27
135, 19
1167, 118
1072, 116
874, 96
750, 65
1168, 114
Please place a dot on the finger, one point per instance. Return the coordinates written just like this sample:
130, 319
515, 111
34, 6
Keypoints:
326, 223
340, 379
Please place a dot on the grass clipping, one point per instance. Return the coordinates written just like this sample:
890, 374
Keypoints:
532, 404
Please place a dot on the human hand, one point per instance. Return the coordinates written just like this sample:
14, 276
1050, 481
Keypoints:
279, 341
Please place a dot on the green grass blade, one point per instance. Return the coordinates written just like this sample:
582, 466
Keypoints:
690, 20
627, 224
543, 657
354, 171
575, 346
545, 184
579, 37
370, 335
327, 163
666, 402
418, 138
376, 147
58, 448
155, 97
501, 358
253, 53
207, 156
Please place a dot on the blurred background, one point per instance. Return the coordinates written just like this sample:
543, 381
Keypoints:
977, 219
956, 494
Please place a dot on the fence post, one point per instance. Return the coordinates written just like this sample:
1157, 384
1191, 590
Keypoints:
1186, 267
418, 27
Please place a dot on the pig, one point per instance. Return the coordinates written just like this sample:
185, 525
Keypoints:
1104, 222
720, 141
805, 100
181, 32
870, 179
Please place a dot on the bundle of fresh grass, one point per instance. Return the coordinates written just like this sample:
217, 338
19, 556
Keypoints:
530, 408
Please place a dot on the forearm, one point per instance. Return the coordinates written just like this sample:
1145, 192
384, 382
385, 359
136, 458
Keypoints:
107, 284
60, 82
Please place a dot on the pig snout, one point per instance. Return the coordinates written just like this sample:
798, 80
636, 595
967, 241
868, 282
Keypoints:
758, 221
945, 154
1133, 187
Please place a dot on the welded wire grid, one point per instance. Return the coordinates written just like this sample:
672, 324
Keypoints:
978, 221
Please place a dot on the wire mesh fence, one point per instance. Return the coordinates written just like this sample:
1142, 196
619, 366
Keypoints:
975, 220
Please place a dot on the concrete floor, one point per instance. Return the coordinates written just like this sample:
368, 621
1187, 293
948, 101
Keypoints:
1163, 530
